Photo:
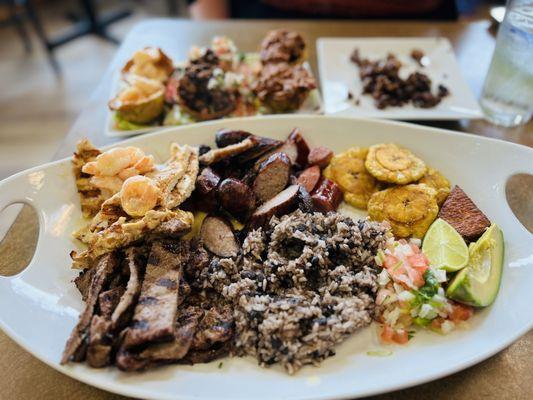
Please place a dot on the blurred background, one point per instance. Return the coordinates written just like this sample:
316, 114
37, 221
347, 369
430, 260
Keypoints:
53, 53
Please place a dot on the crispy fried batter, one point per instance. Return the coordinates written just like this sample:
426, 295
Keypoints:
391, 163
409, 209
348, 171
113, 229
91, 197
437, 181
177, 178
461, 213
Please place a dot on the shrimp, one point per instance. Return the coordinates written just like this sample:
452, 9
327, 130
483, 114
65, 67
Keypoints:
139, 195
112, 183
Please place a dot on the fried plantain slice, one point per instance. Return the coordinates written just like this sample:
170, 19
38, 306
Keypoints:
437, 181
348, 171
390, 163
409, 209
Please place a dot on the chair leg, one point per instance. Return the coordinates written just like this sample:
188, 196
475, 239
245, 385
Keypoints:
19, 26
39, 30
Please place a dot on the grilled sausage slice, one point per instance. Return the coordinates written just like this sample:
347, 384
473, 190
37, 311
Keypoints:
320, 156
237, 198
309, 178
263, 146
227, 137
272, 177
283, 203
301, 146
218, 237
206, 189
327, 196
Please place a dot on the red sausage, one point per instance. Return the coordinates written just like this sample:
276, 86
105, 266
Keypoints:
327, 196
320, 156
309, 178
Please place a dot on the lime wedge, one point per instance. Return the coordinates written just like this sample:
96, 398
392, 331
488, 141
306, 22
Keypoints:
444, 247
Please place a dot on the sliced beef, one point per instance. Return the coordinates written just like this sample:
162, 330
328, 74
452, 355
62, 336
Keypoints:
204, 356
108, 300
136, 265
283, 203
154, 317
216, 155
83, 281
272, 177
163, 353
237, 198
100, 342
174, 228
218, 237
106, 266
227, 137
216, 326
461, 213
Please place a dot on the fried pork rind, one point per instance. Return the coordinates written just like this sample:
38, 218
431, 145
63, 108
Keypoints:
112, 229
437, 181
348, 171
176, 180
409, 209
91, 197
394, 164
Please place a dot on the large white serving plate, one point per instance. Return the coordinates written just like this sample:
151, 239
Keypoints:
40, 306
338, 76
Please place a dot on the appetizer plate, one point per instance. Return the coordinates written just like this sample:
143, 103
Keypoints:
312, 105
339, 76
43, 297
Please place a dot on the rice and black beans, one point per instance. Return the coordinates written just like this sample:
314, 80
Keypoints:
300, 286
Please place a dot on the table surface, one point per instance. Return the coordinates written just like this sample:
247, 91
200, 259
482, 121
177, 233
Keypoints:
505, 375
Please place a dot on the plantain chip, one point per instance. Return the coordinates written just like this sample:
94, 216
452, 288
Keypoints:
348, 171
437, 181
409, 209
394, 164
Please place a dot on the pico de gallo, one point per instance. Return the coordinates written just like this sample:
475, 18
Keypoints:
411, 294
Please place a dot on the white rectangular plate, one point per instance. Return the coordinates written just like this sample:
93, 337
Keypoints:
339, 76
312, 105
43, 297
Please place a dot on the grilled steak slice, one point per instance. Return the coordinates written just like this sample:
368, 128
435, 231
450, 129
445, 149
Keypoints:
263, 146
163, 353
108, 300
173, 228
460, 212
216, 326
122, 312
83, 281
100, 342
154, 318
105, 268
204, 356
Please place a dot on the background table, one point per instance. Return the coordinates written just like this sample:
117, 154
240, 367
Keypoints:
506, 375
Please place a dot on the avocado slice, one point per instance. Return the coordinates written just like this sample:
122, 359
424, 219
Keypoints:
478, 283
